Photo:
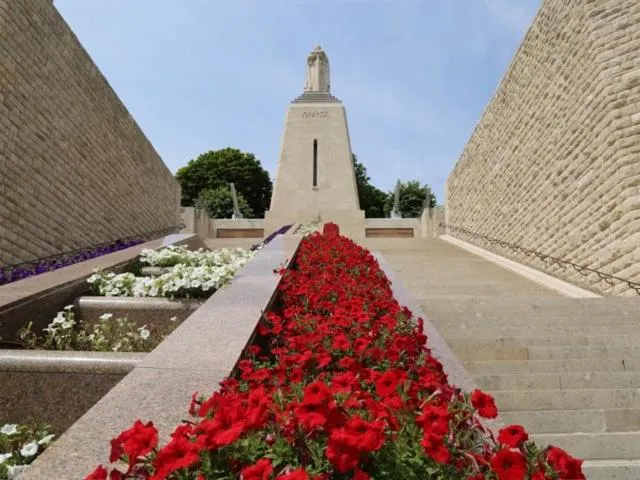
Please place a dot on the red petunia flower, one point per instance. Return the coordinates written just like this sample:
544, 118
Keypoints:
135, 442
341, 452
567, 467
435, 448
261, 470
177, 454
484, 403
434, 420
509, 465
387, 383
513, 436
297, 474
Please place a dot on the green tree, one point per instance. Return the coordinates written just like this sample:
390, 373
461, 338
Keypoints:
371, 199
218, 203
217, 168
412, 199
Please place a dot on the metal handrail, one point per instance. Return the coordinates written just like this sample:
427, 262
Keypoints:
548, 259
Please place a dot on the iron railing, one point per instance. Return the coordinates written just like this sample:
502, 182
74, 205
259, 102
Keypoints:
546, 258
17, 271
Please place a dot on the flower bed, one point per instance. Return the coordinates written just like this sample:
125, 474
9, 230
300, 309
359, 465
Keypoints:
338, 384
19, 446
15, 273
193, 273
110, 334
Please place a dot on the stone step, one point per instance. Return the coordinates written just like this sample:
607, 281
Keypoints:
600, 352
492, 367
551, 341
562, 421
546, 353
611, 469
538, 400
542, 307
478, 331
530, 322
594, 446
559, 381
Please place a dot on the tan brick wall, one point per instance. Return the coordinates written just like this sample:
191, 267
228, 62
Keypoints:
554, 163
75, 168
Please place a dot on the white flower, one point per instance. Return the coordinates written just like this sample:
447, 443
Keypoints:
67, 324
4, 457
106, 316
14, 470
68, 307
9, 429
46, 439
29, 450
173, 319
144, 333
60, 318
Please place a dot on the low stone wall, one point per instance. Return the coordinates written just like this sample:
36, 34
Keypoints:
38, 298
57, 387
197, 221
194, 358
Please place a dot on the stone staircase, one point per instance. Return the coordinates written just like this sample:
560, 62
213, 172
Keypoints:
566, 369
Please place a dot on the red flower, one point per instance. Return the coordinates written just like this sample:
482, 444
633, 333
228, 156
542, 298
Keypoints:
434, 420
387, 383
177, 454
513, 436
261, 470
434, 447
484, 403
567, 467
366, 436
135, 442
100, 473
509, 465
298, 474
341, 452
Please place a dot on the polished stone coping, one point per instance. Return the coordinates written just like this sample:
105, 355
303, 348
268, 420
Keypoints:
65, 362
194, 358
456, 372
137, 303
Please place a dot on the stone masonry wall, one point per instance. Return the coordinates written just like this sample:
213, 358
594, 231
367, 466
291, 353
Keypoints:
554, 163
75, 168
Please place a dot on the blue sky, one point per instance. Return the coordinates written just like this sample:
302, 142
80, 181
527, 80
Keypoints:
198, 75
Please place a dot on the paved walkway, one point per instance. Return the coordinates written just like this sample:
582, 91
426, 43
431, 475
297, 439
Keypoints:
567, 369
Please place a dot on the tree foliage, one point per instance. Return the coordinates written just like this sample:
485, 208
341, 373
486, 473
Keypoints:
412, 199
218, 203
217, 168
372, 199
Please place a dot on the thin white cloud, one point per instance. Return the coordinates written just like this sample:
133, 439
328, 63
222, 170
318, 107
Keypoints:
516, 15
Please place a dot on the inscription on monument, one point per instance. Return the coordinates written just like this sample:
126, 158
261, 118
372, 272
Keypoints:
315, 114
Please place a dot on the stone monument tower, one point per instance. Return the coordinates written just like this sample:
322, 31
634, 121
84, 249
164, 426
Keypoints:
315, 179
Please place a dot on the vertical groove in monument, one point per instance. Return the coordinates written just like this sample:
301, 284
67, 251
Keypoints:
316, 118
315, 163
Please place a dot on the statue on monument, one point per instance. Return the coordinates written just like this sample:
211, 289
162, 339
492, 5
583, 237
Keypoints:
236, 209
317, 78
395, 212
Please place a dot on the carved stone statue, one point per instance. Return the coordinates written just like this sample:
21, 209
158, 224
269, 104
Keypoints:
395, 213
236, 209
318, 77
